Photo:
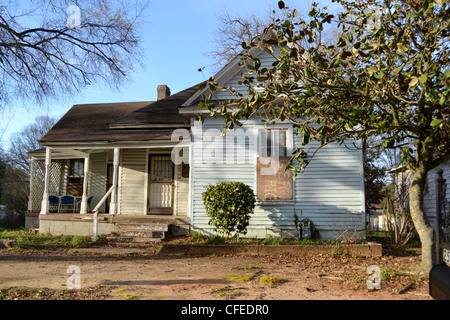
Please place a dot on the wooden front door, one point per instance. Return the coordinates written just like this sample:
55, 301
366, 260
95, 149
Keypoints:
161, 180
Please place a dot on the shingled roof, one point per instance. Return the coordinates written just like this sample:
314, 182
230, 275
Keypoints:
158, 113
120, 122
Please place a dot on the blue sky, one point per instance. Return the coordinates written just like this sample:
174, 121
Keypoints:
176, 37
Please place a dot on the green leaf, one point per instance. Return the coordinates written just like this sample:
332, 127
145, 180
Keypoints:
436, 122
423, 78
414, 81
380, 75
306, 139
310, 93
372, 70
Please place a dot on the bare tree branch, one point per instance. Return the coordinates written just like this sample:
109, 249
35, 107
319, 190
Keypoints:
42, 58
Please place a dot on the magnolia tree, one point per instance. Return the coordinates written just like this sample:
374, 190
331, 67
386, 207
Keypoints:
387, 76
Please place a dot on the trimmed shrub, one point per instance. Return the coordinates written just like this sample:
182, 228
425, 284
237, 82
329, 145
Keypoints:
229, 206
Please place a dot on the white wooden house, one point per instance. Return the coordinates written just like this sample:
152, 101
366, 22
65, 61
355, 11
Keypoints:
155, 159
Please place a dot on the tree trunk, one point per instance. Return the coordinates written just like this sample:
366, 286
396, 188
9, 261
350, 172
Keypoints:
421, 223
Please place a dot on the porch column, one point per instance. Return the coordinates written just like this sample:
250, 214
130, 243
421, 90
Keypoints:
113, 203
30, 196
83, 208
48, 160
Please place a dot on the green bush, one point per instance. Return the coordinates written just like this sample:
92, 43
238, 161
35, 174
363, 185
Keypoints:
229, 206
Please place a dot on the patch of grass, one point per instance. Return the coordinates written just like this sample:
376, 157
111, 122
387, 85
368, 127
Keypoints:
200, 238
131, 297
216, 240
227, 292
238, 278
270, 281
24, 293
26, 240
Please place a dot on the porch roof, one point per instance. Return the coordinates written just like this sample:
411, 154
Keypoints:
120, 122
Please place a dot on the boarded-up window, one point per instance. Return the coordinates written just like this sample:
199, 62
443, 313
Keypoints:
273, 181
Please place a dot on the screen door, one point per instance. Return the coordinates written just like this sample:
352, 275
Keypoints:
160, 184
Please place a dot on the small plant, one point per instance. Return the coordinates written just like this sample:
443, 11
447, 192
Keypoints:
131, 297
270, 281
236, 278
229, 206
216, 240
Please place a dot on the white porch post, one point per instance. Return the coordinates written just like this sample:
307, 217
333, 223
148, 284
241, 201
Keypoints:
30, 196
48, 160
113, 203
83, 208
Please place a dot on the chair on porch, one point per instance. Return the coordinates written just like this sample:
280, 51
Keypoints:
89, 200
67, 202
53, 203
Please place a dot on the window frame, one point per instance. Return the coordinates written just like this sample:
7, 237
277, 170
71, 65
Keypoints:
80, 169
289, 139
289, 147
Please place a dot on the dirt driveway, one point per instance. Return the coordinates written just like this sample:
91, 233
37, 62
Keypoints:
146, 276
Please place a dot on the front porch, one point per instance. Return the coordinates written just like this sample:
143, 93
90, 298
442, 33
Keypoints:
127, 185
119, 228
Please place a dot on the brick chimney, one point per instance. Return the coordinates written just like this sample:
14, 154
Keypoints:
163, 91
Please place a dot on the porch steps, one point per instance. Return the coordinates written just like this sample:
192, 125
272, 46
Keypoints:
139, 232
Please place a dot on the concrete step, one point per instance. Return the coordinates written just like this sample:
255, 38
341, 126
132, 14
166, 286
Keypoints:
139, 232
142, 227
143, 234
131, 239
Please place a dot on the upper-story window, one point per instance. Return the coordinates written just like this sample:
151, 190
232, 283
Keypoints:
273, 143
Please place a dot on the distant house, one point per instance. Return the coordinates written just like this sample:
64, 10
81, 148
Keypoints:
155, 160
402, 179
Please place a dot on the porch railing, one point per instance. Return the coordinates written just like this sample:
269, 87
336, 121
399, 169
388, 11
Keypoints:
97, 208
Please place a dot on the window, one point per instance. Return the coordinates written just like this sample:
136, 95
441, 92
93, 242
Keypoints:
273, 143
273, 181
76, 168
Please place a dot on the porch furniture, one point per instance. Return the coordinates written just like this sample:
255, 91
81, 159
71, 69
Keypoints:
67, 202
54, 203
78, 203
89, 200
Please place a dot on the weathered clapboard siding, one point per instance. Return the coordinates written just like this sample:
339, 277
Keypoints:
266, 61
209, 169
181, 204
97, 177
329, 191
132, 181
430, 197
